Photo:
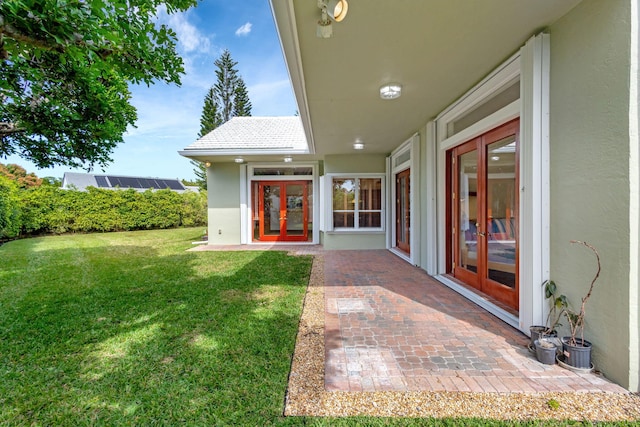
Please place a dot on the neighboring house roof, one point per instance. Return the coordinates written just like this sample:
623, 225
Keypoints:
80, 181
239, 135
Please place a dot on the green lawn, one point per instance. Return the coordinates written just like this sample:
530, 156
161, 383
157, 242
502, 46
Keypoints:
130, 329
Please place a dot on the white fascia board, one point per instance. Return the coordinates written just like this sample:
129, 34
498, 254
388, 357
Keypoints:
245, 152
285, 19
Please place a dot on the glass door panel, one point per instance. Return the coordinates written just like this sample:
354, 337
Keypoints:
403, 211
468, 211
295, 211
270, 197
501, 211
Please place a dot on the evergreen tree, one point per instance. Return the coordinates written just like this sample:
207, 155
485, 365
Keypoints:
200, 171
226, 99
210, 118
227, 81
241, 102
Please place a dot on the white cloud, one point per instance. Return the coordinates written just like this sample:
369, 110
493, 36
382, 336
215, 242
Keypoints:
190, 39
244, 30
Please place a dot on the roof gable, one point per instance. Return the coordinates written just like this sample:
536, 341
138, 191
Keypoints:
259, 133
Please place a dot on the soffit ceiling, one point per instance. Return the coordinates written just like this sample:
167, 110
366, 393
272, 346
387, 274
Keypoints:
437, 50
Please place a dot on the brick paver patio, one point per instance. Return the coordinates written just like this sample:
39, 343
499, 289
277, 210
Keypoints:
391, 327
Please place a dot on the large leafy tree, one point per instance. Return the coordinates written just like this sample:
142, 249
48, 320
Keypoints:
227, 98
66, 66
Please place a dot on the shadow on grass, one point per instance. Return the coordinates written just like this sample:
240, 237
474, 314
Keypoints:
122, 335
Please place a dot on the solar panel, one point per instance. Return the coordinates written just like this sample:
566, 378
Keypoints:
173, 184
146, 183
102, 181
140, 183
129, 182
115, 181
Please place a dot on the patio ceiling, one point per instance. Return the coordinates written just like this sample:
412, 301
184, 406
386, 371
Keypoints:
437, 50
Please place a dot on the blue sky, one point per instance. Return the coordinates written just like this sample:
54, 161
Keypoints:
169, 116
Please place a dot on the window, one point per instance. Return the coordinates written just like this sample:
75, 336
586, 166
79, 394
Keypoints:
357, 203
280, 171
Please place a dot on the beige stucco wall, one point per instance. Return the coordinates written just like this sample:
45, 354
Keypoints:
590, 185
223, 188
354, 164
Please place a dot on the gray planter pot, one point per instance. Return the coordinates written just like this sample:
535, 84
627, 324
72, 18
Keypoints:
546, 355
536, 333
577, 356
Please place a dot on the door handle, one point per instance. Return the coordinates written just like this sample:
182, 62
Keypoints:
480, 233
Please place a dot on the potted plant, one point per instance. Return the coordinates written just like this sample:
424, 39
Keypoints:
577, 350
558, 304
546, 350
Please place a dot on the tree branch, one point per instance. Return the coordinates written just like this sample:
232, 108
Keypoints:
8, 128
11, 32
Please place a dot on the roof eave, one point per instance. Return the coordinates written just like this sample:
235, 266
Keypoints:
285, 20
192, 153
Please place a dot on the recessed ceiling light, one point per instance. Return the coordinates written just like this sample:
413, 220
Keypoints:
495, 158
391, 91
288, 159
238, 160
358, 146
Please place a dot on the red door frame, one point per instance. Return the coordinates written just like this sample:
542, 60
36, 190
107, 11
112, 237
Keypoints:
479, 280
283, 236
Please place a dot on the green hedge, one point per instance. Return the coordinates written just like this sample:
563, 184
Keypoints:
48, 209
9, 209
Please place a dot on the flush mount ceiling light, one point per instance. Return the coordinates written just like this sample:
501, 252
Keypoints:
288, 159
238, 160
390, 91
334, 9
358, 145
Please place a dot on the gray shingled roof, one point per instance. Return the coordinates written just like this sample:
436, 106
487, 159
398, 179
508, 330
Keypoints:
259, 133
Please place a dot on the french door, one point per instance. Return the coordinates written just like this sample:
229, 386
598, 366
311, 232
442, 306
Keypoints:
283, 210
403, 211
483, 213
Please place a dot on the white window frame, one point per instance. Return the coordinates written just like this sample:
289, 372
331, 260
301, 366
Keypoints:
329, 204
